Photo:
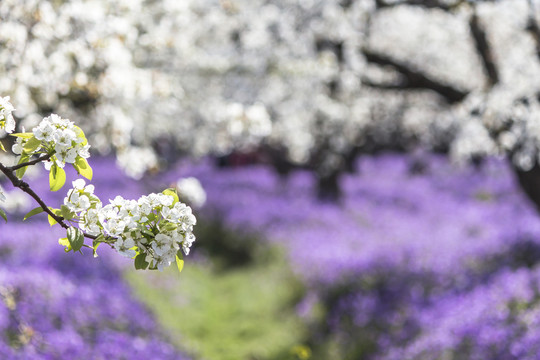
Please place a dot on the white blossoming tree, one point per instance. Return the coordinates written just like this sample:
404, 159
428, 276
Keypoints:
311, 83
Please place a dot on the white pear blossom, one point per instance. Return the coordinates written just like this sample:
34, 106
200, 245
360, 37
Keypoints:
66, 155
90, 221
18, 145
44, 131
124, 247
79, 197
7, 122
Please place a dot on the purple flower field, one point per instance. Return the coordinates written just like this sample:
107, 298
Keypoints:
409, 266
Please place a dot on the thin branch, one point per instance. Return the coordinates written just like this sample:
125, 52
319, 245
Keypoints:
413, 79
9, 172
533, 26
428, 4
484, 50
33, 162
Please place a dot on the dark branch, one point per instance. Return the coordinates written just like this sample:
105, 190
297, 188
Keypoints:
9, 172
413, 79
484, 50
533, 27
428, 4
33, 162
530, 183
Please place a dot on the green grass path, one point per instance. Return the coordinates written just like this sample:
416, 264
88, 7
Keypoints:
237, 313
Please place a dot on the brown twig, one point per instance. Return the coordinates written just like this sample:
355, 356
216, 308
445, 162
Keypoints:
9, 172
33, 162
412, 78
484, 49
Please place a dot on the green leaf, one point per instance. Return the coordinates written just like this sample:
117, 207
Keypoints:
33, 212
66, 213
75, 237
96, 243
140, 261
2, 146
20, 172
27, 135
65, 242
180, 260
169, 227
171, 192
83, 168
3, 215
52, 221
57, 177
147, 232
81, 135
31, 145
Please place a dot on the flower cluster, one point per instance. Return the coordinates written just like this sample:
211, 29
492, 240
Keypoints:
57, 137
6, 118
155, 229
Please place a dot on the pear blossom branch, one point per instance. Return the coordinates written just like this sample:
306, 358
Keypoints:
24, 186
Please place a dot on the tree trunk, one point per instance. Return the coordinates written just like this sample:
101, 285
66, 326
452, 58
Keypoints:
328, 187
530, 183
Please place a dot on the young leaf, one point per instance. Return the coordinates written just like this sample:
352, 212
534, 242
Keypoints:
31, 145
66, 213
65, 242
80, 134
180, 260
169, 227
83, 168
171, 192
51, 220
20, 172
33, 212
2, 146
27, 135
3, 215
75, 238
147, 232
140, 261
57, 177
96, 243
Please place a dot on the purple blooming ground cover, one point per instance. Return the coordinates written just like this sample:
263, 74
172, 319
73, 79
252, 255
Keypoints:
437, 264
55, 305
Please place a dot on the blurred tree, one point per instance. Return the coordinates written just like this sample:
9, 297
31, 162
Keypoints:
309, 83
